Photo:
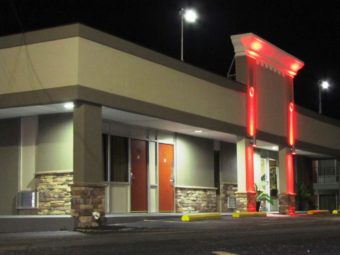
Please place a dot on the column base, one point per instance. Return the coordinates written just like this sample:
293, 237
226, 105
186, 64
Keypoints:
287, 203
87, 204
246, 201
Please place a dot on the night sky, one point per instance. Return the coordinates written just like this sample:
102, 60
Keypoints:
310, 31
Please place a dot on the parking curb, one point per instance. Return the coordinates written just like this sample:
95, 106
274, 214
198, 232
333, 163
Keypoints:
200, 216
248, 214
318, 212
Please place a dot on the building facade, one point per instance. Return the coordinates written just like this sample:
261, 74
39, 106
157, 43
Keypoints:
92, 123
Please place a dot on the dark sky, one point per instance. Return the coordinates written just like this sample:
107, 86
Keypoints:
307, 30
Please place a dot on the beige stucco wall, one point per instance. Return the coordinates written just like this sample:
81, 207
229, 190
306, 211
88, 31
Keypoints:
317, 132
76, 60
228, 163
9, 164
29, 132
194, 161
87, 144
54, 149
123, 74
39, 66
272, 101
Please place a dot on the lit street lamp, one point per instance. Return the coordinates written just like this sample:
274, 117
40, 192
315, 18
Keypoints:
190, 16
322, 85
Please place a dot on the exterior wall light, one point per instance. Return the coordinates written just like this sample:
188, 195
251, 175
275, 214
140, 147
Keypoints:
253, 141
292, 150
69, 105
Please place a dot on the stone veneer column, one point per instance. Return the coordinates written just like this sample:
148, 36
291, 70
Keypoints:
88, 190
228, 191
54, 192
196, 200
87, 199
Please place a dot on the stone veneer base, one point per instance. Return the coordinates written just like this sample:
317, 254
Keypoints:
286, 203
195, 200
86, 199
54, 193
246, 201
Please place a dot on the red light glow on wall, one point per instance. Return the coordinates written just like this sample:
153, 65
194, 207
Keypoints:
291, 124
251, 127
250, 169
290, 173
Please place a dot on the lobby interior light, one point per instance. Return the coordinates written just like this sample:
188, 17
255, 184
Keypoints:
69, 105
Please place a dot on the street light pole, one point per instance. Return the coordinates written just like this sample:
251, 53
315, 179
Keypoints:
320, 104
182, 33
322, 85
189, 16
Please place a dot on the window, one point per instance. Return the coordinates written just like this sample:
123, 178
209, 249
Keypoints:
119, 159
118, 166
105, 161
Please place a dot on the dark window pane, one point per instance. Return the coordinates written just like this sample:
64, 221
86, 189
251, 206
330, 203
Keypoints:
119, 159
104, 137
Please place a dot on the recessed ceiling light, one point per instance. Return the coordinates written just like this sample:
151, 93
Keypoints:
69, 105
198, 131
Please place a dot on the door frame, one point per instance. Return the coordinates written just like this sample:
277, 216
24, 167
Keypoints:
157, 141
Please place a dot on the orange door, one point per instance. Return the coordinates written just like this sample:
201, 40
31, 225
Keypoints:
166, 190
139, 202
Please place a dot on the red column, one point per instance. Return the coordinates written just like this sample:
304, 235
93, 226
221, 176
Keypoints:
251, 127
290, 158
291, 124
290, 181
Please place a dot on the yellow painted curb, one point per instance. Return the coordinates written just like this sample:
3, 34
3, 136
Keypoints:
248, 214
200, 216
316, 212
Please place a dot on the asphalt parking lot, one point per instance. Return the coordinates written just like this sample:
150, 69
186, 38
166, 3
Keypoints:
270, 235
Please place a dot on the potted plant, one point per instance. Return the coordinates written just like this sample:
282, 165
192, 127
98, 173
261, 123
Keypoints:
262, 196
304, 197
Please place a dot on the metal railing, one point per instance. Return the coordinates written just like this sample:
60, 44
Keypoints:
326, 175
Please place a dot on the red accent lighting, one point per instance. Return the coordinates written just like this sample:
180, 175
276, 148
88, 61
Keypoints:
253, 54
295, 67
250, 169
256, 45
290, 173
251, 112
263, 51
291, 124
